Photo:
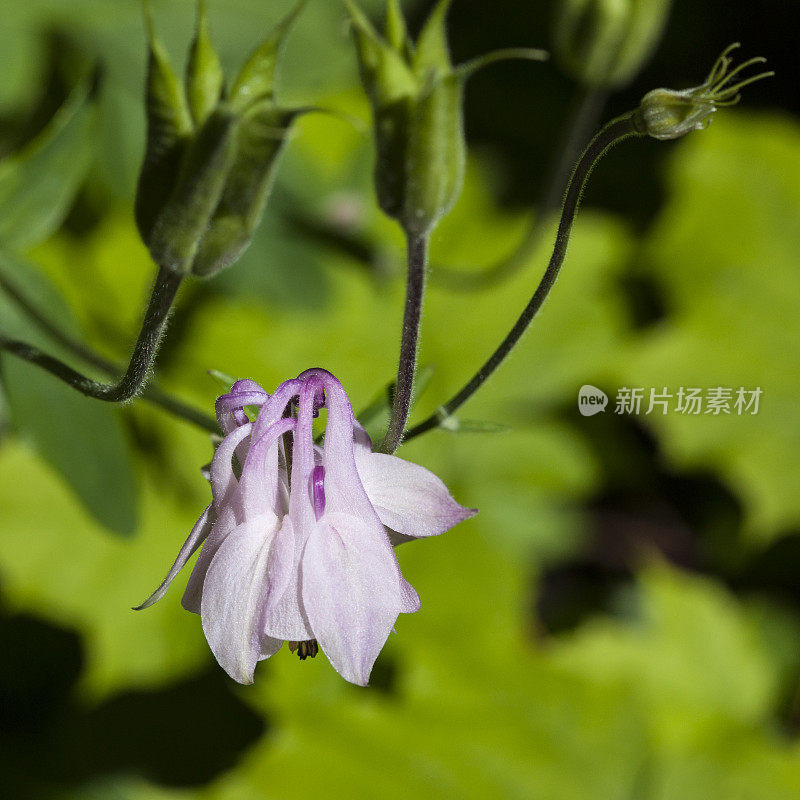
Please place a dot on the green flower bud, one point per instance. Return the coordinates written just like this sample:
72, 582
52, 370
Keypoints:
672, 113
204, 79
604, 43
210, 155
178, 230
417, 100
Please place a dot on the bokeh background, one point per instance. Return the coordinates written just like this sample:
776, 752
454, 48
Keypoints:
621, 620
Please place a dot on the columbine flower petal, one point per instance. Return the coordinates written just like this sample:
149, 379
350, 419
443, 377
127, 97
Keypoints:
408, 498
224, 487
308, 559
247, 576
288, 619
230, 407
350, 592
345, 492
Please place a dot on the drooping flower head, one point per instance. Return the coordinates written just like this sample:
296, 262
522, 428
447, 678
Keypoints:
298, 547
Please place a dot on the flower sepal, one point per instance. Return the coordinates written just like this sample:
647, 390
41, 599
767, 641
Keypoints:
211, 155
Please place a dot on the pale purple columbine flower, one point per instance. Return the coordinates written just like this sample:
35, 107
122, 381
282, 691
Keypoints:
305, 557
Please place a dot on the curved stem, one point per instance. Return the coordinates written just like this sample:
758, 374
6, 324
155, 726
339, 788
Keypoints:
47, 326
152, 394
415, 291
614, 132
584, 117
132, 382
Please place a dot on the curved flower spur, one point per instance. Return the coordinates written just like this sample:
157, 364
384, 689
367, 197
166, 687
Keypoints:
298, 547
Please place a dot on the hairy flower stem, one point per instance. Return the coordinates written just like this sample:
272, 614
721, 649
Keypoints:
404, 388
614, 132
133, 381
583, 119
152, 394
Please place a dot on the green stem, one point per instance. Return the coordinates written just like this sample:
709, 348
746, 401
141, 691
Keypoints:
137, 373
152, 394
407, 363
614, 132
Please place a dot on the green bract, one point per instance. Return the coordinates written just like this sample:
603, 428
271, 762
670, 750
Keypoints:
417, 104
604, 43
210, 154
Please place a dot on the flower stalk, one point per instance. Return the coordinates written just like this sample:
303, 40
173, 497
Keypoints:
663, 114
614, 132
153, 394
407, 364
133, 381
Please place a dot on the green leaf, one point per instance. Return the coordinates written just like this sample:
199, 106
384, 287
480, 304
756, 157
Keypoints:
694, 653
458, 425
38, 184
59, 562
706, 681
724, 252
82, 439
204, 77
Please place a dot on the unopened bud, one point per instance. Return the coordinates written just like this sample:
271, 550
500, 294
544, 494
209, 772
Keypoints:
210, 156
417, 100
604, 43
672, 113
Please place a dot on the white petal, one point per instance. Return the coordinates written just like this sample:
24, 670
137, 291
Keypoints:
288, 620
350, 592
223, 479
269, 647
244, 581
410, 598
409, 499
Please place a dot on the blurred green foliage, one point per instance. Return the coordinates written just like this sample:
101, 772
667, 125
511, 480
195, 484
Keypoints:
677, 681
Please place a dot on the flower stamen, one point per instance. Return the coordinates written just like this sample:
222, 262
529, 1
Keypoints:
307, 649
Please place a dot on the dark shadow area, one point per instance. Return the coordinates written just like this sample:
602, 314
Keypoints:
644, 298
643, 510
773, 570
184, 734
384, 675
